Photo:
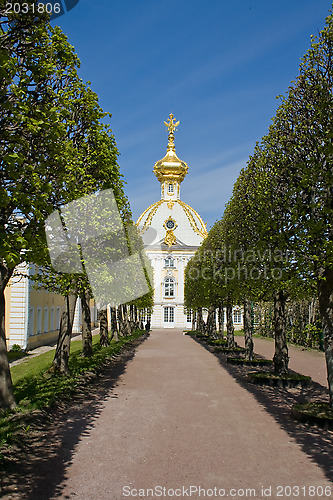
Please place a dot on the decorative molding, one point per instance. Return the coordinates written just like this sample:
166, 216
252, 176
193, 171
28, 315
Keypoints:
153, 209
188, 211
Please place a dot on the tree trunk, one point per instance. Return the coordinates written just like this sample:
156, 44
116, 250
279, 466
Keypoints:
120, 321
131, 317
325, 297
200, 321
281, 358
136, 318
103, 328
6, 387
221, 321
141, 315
113, 319
230, 325
194, 318
61, 357
87, 348
126, 323
248, 330
211, 322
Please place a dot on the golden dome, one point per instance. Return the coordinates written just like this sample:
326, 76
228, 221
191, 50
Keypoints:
171, 167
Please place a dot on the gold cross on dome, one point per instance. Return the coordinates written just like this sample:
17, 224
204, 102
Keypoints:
171, 125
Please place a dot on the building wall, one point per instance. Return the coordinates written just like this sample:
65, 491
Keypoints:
16, 314
181, 318
32, 316
157, 258
44, 314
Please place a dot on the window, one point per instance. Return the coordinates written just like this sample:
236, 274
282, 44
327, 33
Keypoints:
170, 188
169, 287
31, 321
170, 224
188, 315
145, 315
169, 315
237, 316
58, 318
39, 320
169, 262
46, 320
52, 319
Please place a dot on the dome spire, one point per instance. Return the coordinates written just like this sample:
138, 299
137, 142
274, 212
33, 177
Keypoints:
171, 127
171, 168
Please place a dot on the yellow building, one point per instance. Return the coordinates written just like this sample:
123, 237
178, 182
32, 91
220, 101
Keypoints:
32, 317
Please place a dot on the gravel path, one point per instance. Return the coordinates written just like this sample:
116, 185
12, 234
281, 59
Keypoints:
177, 419
306, 361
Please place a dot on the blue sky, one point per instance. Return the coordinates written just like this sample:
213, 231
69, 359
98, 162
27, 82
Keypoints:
216, 65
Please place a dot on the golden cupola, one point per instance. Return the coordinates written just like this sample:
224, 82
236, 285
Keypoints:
171, 169
174, 222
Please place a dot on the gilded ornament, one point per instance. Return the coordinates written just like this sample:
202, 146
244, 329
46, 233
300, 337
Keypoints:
170, 238
170, 223
171, 168
171, 125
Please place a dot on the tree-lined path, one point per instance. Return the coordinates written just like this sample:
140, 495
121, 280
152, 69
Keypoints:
177, 418
306, 361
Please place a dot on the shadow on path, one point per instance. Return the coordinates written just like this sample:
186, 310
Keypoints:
315, 441
35, 469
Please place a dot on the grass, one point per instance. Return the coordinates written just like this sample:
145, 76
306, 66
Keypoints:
35, 389
284, 376
217, 342
252, 362
314, 413
290, 379
227, 350
14, 355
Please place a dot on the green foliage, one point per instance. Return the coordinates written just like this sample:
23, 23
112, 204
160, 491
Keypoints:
314, 412
15, 348
54, 147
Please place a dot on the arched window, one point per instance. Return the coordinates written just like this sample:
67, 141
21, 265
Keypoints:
169, 287
170, 188
169, 262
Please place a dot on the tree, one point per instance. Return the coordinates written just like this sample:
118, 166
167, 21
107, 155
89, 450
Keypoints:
96, 170
302, 131
37, 63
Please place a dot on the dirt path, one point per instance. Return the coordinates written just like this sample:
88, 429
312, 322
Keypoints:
177, 419
307, 362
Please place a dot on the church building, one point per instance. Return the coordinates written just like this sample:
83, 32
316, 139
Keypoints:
175, 232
